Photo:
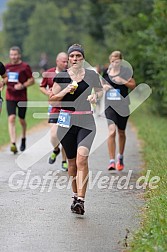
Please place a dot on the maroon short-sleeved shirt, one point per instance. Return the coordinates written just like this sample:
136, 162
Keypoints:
17, 73
48, 82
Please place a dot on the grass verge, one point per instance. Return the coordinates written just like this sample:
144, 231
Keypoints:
34, 94
152, 235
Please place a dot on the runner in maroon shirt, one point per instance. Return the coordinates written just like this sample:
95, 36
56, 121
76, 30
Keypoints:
19, 78
46, 87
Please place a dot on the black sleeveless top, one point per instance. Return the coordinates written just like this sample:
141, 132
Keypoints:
84, 89
126, 74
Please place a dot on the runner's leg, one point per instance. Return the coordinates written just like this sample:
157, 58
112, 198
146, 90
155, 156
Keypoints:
122, 140
122, 122
55, 142
82, 171
11, 110
12, 128
72, 172
111, 141
24, 127
22, 114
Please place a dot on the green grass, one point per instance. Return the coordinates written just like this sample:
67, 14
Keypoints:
34, 94
152, 235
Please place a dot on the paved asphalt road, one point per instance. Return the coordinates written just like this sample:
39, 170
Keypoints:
35, 213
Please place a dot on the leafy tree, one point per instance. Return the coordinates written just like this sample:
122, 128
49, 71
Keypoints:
19, 20
46, 33
157, 51
101, 26
74, 15
127, 21
97, 19
15, 22
2, 42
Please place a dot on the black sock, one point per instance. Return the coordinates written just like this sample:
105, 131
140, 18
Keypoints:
56, 151
23, 140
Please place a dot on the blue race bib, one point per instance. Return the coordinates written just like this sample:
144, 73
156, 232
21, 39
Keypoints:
13, 77
49, 109
64, 119
113, 95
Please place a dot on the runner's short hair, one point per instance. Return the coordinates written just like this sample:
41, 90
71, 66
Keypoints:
16, 48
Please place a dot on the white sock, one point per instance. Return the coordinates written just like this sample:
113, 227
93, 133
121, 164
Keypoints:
75, 195
81, 198
112, 161
120, 156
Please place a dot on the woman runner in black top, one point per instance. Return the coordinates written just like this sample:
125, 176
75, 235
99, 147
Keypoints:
77, 127
118, 79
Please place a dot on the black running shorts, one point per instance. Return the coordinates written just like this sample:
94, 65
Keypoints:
81, 133
53, 118
11, 109
113, 116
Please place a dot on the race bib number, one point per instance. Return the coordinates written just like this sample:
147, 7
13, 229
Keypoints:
49, 109
13, 77
113, 95
64, 119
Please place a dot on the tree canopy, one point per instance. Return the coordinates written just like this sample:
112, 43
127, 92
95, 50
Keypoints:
137, 28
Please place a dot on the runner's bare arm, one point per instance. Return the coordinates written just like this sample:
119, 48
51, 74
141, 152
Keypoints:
98, 93
29, 82
45, 91
129, 83
20, 86
57, 93
106, 86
